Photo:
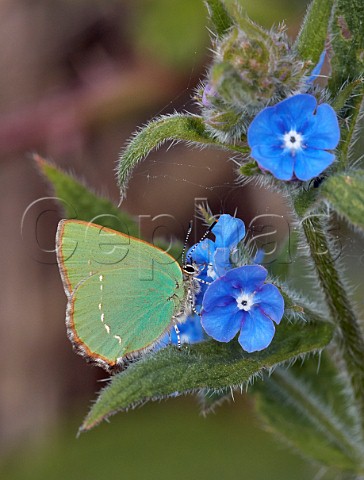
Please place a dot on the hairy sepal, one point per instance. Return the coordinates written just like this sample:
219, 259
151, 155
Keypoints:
219, 16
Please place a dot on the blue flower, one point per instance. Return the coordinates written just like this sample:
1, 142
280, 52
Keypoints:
213, 257
190, 331
291, 139
240, 302
317, 69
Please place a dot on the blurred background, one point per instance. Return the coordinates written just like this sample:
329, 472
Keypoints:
77, 78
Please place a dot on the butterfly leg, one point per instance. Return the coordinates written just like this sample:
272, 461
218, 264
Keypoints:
199, 280
191, 302
195, 311
176, 329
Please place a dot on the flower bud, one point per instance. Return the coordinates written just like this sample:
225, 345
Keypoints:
252, 68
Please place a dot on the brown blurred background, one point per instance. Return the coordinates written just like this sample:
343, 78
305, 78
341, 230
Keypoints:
77, 78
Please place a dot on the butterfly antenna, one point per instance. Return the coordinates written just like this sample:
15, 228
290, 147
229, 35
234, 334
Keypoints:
186, 240
204, 236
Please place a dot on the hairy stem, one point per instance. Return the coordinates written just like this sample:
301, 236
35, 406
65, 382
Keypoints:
342, 313
312, 408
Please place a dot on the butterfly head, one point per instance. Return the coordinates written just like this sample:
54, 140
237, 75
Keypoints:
190, 270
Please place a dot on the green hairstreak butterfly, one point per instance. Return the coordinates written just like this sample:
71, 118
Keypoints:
123, 293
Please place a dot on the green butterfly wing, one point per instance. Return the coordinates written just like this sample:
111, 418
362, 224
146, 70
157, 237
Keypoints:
122, 292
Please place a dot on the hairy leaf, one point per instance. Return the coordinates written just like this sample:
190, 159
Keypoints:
311, 40
347, 42
349, 91
208, 365
178, 127
305, 407
79, 202
219, 16
345, 193
352, 135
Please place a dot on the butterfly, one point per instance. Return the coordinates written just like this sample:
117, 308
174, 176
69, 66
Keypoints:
123, 293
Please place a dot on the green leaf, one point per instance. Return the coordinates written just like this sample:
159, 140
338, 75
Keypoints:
311, 40
219, 16
345, 193
208, 365
79, 202
178, 127
347, 42
308, 409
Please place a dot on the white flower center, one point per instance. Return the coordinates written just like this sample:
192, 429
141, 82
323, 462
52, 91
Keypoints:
245, 301
293, 141
211, 272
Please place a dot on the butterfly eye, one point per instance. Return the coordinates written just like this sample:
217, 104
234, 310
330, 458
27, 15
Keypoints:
189, 269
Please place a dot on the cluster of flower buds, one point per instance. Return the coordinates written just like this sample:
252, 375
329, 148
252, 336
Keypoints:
252, 68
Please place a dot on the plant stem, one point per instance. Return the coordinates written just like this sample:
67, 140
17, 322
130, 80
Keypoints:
350, 335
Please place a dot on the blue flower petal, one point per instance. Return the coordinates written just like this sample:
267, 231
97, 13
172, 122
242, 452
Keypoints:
190, 332
317, 69
222, 323
222, 261
265, 127
259, 256
228, 231
299, 109
266, 154
270, 302
310, 163
257, 331
202, 252
274, 159
219, 293
325, 131
248, 278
